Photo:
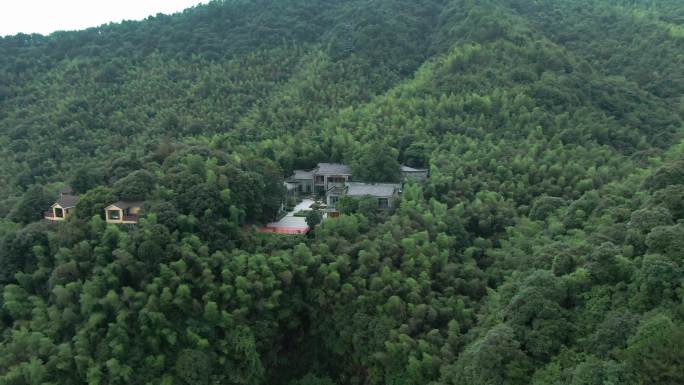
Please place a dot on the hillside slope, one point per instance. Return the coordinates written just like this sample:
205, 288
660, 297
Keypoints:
545, 248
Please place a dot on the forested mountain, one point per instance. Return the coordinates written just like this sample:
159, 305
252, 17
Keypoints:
547, 246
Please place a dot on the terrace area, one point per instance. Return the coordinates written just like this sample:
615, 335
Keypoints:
290, 224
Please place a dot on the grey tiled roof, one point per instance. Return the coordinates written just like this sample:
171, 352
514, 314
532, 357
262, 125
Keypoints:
301, 174
67, 201
411, 169
376, 190
126, 205
332, 169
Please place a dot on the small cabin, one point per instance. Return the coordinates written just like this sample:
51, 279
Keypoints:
63, 208
123, 212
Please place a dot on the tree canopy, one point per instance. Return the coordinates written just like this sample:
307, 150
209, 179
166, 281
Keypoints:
546, 246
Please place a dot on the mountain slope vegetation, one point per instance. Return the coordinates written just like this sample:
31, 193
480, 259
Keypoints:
547, 246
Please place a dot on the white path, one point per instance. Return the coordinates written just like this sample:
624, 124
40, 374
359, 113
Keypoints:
289, 220
305, 205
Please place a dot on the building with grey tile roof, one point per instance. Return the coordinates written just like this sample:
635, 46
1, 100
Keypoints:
405, 168
303, 180
128, 204
415, 174
63, 207
301, 175
332, 169
67, 201
123, 212
334, 180
329, 175
379, 190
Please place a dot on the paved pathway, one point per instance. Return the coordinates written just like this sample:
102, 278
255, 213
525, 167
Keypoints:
289, 223
305, 205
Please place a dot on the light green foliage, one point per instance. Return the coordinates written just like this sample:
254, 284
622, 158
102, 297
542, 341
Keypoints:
546, 247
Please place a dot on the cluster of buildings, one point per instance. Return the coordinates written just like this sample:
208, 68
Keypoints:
121, 212
329, 180
334, 180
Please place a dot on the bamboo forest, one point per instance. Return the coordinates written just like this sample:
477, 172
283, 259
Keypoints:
347, 192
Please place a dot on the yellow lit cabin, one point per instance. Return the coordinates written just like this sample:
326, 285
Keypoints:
123, 212
63, 208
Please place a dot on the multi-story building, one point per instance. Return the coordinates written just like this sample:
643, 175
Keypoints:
334, 180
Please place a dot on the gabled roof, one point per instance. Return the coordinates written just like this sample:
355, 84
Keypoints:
301, 174
411, 169
332, 169
125, 205
67, 201
380, 190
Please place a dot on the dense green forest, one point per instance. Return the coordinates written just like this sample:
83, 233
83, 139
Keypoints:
546, 248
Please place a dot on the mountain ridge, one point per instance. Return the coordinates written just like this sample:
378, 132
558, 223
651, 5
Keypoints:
544, 248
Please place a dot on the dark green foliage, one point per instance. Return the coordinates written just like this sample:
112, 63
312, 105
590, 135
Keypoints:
545, 206
86, 178
347, 205
494, 359
657, 281
376, 162
537, 316
668, 240
668, 175
612, 333
603, 264
654, 352
311, 379
193, 367
368, 206
31, 205
672, 198
547, 246
94, 201
313, 218
21, 250
137, 186
166, 213
577, 368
